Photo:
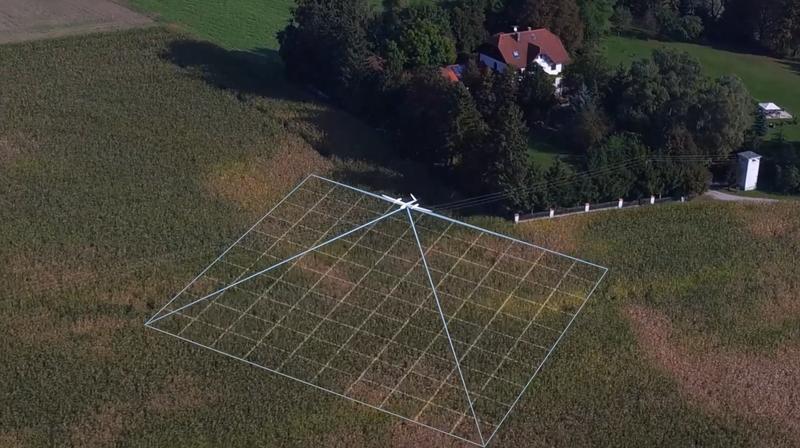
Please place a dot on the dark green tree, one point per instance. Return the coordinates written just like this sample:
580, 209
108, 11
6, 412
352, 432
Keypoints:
676, 108
589, 69
466, 130
506, 150
760, 127
596, 16
587, 124
537, 95
613, 165
329, 34
622, 19
725, 115
481, 84
438, 122
561, 191
562, 17
421, 36
467, 21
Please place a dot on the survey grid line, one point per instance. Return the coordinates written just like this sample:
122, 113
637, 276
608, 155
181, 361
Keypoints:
188, 285
311, 384
261, 255
488, 296
444, 325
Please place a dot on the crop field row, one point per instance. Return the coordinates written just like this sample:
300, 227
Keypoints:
129, 161
358, 315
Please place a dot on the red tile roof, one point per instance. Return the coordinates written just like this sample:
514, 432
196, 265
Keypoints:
449, 73
521, 48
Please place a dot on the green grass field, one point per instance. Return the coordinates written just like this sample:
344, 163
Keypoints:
239, 24
130, 160
768, 79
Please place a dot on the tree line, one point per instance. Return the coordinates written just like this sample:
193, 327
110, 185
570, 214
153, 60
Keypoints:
773, 25
641, 129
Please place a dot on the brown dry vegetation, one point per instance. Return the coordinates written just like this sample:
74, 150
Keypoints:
776, 224
101, 428
179, 393
777, 220
13, 439
408, 435
255, 183
148, 194
562, 234
15, 148
723, 381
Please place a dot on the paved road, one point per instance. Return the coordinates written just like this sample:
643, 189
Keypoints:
722, 196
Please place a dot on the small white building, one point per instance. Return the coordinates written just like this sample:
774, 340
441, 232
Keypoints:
772, 111
749, 163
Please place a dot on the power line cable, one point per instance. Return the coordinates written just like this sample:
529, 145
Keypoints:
499, 196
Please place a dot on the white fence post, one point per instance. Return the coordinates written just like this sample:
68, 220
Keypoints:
586, 208
620, 203
516, 218
652, 200
683, 199
552, 212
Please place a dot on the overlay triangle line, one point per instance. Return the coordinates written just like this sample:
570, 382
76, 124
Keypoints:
281, 263
444, 325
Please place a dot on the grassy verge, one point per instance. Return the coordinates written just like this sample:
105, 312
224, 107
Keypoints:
768, 79
544, 153
765, 195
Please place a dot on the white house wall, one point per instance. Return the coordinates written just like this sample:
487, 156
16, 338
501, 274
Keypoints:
548, 67
748, 173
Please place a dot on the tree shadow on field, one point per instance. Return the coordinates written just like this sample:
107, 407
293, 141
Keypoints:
254, 72
369, 160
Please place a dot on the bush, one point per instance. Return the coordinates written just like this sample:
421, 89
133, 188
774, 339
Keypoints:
682, 28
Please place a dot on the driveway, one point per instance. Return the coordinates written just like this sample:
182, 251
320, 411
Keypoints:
722, 196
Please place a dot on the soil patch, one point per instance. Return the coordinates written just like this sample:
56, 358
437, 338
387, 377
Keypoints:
725, 382
22, 20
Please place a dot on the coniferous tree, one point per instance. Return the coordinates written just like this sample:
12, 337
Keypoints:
562, 17
507, 146
537, 94
467, 20
596, 15
326, 33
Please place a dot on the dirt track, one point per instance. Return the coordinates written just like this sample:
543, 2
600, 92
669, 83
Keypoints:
39, 19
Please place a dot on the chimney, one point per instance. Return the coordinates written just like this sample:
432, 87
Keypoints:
516, 33
516, 28
529, 28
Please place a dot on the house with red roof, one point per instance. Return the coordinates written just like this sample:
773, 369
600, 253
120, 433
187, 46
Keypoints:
519, 49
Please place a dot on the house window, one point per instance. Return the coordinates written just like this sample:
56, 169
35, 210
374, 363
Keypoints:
516, 54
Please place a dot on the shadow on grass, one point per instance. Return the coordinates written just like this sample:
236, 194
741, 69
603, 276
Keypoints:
792, 65
255, 72
369, 160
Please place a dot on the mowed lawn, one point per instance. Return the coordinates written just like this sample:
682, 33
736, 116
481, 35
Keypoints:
768, 79
240, 24
128, 161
